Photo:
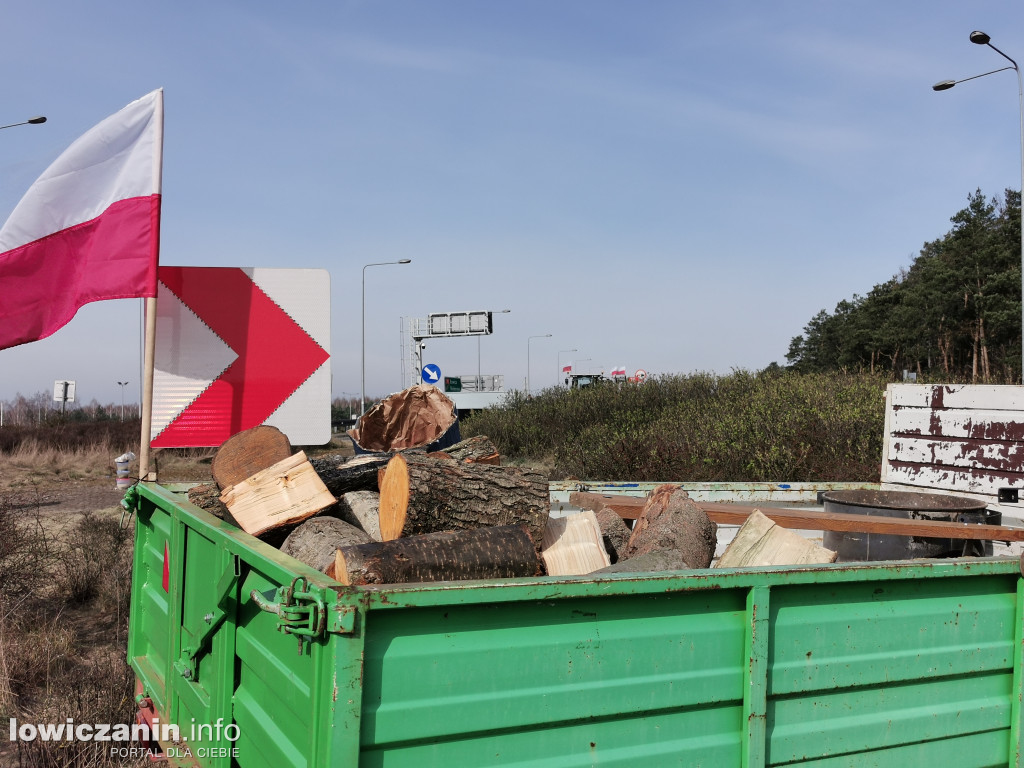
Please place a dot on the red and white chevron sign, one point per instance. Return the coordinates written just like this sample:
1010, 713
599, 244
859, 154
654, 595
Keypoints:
240, 347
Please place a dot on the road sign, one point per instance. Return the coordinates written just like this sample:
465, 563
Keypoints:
237, 348
64, 391
431, 373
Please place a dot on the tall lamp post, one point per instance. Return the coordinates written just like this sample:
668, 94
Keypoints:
560, 361
980, 38
479, 376
30, 121
542, 336
122, 384
362, 365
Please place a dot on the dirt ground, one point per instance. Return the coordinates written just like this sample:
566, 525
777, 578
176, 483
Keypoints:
72, 497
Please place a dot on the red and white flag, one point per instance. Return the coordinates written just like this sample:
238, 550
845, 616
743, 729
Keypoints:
88, 229
620, 371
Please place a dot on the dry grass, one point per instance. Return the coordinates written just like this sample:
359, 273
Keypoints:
65, 581
64, 591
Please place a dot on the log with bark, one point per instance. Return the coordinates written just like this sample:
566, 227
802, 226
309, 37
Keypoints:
250, 451
484, 553
206, 496
658, 560
426, 495
671, 520
614, 532
361, 509
477, 449
316, 541
357, 474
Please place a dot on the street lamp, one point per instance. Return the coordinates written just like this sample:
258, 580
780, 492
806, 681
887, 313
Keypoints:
479, 377
543, 336
559, 376
122, 384
30, 121
980, 38
362, 365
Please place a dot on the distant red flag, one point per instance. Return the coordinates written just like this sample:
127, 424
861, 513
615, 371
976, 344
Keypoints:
566, 368
88, 229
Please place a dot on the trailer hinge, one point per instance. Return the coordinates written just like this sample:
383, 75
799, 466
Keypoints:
302, 612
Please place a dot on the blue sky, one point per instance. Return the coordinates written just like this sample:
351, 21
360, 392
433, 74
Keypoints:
673, 186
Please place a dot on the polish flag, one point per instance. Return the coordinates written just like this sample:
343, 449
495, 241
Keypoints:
620, 371
88, 229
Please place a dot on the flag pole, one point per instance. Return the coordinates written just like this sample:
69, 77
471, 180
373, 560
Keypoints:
147, 390
149, 355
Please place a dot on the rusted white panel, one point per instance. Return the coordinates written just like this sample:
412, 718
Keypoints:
962, 423
968, 396
963, 439
978, 454
959, 481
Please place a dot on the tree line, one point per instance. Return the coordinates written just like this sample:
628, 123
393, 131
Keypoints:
955, 312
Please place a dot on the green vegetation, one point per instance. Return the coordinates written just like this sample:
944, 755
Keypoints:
956, 312
769, 426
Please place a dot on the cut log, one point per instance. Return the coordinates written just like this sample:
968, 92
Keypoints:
361, 508
357, 474
671, 520
248, 452
658, 560
316, 541
759, 541
419, 416
485, 553
287, 492
476, 449
614, 532
206, 496
423, 495
572, 545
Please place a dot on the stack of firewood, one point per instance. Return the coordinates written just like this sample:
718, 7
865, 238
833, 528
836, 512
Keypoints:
413, 516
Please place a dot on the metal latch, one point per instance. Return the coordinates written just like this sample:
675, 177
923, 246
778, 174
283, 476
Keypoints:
190, 654
303, 613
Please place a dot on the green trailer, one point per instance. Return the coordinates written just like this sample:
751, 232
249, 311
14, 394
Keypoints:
246, 657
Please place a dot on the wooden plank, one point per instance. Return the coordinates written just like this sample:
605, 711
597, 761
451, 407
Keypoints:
987, 482
736, 514
628, 507
973, 424
969, 454
898, 526
969, 396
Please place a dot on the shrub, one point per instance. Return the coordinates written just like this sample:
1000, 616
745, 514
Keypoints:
771, 426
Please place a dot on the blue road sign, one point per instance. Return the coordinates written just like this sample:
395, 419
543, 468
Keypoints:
431, 373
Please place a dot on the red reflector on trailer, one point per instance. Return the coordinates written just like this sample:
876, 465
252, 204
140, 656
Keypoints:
167, 569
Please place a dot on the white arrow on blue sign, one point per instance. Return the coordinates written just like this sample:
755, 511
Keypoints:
431, 373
